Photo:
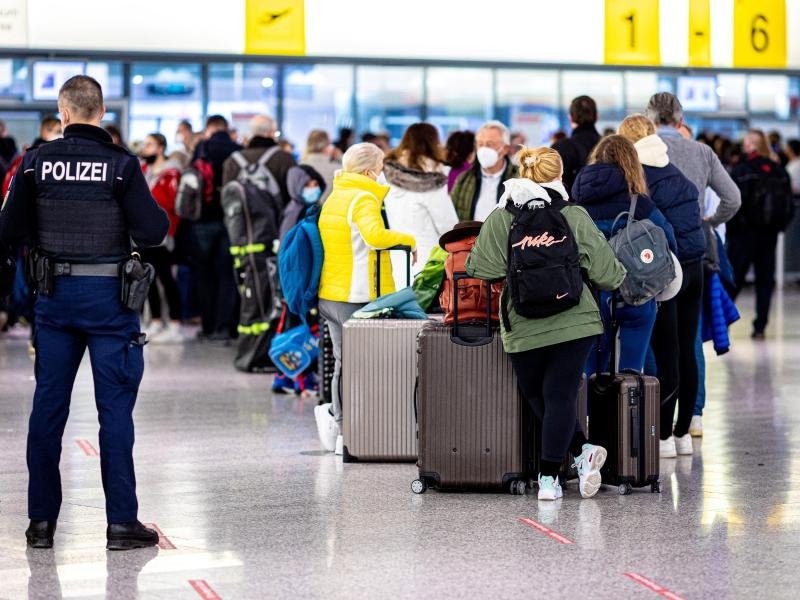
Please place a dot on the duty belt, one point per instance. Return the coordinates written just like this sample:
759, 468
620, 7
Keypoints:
103, 270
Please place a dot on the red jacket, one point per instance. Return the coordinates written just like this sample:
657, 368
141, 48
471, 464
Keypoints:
164, 189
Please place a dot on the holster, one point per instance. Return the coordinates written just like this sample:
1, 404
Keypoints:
41, 272
136, 278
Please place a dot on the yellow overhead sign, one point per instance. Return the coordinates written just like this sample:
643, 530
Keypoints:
275, 27
632, 32
759, 33
699, 33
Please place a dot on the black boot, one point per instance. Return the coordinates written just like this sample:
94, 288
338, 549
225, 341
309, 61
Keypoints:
40, 534
127, 536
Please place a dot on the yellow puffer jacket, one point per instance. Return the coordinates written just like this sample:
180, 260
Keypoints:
351, 227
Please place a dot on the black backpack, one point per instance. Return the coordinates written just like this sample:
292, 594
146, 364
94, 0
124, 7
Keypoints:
771, 205
544, 272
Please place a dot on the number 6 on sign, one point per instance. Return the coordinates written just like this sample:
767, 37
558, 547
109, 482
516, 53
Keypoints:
759, 33
631, 32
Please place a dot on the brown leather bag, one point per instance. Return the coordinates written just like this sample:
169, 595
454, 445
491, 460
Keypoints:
472, 293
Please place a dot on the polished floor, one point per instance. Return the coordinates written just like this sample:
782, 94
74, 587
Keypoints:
250, 508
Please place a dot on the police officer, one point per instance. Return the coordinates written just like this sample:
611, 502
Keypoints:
79, 201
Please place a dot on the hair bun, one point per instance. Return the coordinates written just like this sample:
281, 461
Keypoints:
531, 160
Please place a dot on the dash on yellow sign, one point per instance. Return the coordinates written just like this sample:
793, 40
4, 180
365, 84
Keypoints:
699, 33
275, 27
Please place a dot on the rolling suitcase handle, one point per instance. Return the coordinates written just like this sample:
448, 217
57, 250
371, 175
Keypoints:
407, 249
455, 335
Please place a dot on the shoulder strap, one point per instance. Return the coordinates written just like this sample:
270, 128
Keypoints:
264, 158
239, 159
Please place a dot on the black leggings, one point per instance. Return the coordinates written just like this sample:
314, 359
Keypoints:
673, 344
161, 259
549, 379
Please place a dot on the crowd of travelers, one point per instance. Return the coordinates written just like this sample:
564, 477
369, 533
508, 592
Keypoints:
707, 193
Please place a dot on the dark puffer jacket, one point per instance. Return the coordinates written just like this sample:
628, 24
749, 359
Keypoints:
602, 190
676, 197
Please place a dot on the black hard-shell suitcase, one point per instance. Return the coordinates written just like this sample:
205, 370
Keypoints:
624, 413
474, 430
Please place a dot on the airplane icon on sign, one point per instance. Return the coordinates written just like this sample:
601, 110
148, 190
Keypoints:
270, 18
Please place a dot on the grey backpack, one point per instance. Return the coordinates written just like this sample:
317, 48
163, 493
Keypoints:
642, 248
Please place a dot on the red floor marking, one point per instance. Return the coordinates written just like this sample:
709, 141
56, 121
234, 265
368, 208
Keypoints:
87, 448
547, 531
652, 585
205, 591
163, 541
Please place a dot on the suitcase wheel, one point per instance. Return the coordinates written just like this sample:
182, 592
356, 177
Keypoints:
518, 487
418, 486
624, 489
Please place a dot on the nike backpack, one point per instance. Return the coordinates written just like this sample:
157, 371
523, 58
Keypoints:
544, 272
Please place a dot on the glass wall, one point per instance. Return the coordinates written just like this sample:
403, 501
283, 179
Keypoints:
373, 98
239, 91
162, 94
389, 99
606, 89
458, 98
316, 97
528, 102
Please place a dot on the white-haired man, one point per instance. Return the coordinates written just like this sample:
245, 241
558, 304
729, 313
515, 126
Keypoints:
477, 191
262, 132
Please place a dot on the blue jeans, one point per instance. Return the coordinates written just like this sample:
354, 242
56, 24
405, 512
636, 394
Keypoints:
635, 328
84, 312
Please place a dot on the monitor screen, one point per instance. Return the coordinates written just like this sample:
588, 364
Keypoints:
698, 94
49, 76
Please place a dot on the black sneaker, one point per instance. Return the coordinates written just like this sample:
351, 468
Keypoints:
127, 536
758, 334
40, 534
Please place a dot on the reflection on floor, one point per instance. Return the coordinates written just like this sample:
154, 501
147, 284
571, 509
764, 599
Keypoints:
252, 509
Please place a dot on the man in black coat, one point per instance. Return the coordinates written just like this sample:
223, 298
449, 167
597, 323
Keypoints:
575, 150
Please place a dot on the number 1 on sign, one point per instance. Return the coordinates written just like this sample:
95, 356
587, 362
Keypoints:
632, 32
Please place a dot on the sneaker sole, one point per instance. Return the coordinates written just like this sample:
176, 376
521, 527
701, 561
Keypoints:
590, 485
320, 430
117, 545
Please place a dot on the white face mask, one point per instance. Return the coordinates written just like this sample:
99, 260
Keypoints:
487, 157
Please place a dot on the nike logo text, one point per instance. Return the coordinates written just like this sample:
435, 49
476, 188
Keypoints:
544, 239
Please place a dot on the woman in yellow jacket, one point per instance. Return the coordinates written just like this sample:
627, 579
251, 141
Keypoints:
352, 228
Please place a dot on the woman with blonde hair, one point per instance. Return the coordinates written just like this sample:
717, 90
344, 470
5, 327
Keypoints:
549, 353
675, 331
605, 187
351, 227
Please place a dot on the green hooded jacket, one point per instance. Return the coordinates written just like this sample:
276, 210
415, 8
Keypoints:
488, 260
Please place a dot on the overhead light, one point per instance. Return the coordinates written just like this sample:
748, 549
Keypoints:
267, 82
137, 80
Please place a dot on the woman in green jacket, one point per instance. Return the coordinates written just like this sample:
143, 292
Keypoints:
549, 353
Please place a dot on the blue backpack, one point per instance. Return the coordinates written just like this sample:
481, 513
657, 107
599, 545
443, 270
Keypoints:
300, 264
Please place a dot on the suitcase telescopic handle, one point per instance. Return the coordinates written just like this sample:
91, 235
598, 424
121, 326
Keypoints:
456, 336
407, 249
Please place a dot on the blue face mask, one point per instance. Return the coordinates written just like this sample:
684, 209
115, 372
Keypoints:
311, 195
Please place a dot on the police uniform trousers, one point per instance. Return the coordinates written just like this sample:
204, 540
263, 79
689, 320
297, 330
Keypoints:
84, 312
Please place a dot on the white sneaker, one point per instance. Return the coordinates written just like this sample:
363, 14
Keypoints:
154, 330
327, 428
666, 448
549, 488
696, 426
171, 334
683, 444
339, 445
588, 465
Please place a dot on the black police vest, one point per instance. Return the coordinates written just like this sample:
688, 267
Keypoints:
79, 216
